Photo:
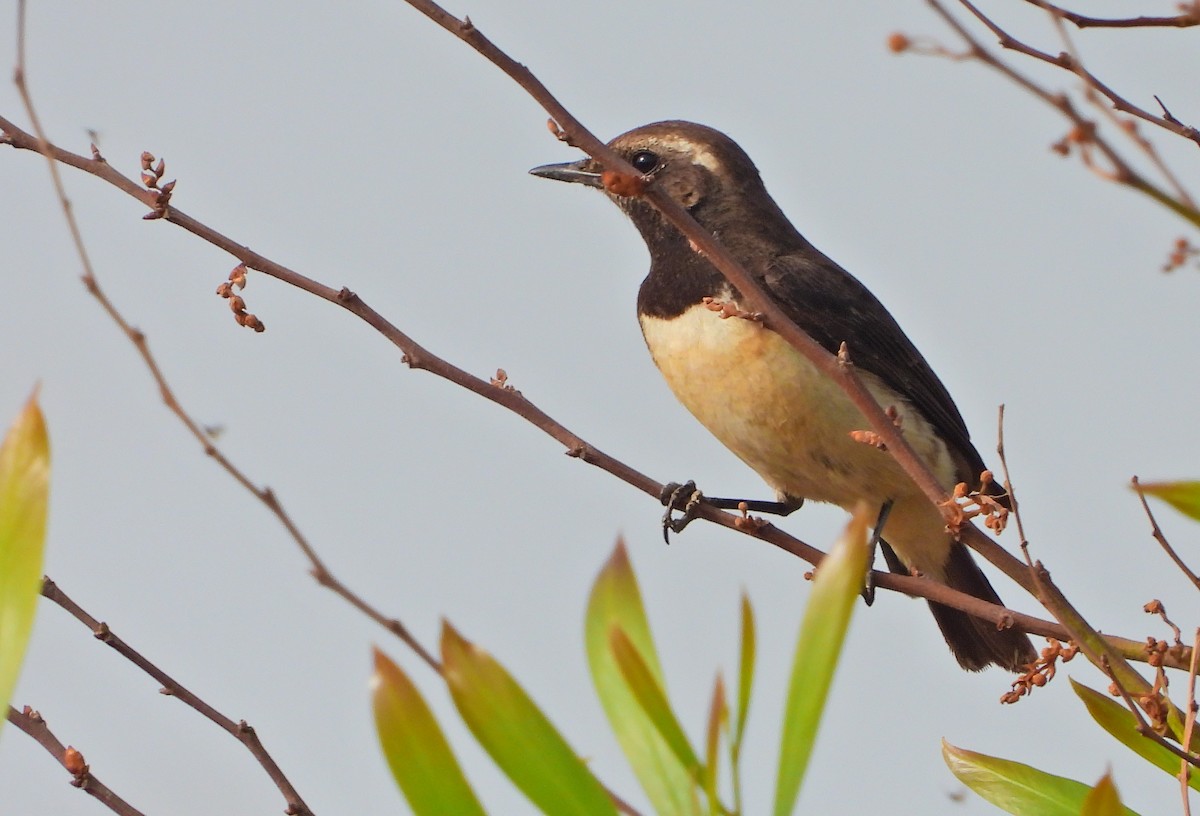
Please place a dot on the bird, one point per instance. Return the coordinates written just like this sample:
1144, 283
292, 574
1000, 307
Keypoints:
769, 404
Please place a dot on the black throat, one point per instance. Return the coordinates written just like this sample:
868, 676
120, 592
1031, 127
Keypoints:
755, 232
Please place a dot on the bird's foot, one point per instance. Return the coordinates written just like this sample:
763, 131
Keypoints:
686, 498
682, 497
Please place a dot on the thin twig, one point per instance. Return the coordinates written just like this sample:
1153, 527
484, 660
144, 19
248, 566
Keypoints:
1084, 132
31, 723
318, 568
1065, 62
1144, 728
1189, 17
1158, 535
240, 730
1189, 726
1126, 126
1014, 506
244, 733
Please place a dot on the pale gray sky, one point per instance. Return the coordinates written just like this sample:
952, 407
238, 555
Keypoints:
364, 147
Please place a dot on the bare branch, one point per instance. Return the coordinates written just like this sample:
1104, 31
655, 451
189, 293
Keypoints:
240, 730
1157, 532
31, 723
1084, 136
1067, 63
1190, 16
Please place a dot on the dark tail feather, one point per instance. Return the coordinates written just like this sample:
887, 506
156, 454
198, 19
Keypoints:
975, 642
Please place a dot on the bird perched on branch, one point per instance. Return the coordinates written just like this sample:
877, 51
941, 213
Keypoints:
764, 400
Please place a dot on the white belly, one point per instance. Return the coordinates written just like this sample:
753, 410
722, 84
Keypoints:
768, 404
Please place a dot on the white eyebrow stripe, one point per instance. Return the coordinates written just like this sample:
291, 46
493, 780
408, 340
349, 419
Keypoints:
699, 153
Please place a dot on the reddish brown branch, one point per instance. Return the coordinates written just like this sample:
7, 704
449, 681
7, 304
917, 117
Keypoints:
32, 724
240, 730
1189, 17
1158, 535
1085, 137
1068, 63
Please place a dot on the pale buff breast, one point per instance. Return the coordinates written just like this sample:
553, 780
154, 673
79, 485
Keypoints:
772, 408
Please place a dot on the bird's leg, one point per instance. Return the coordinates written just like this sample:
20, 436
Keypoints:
868, 590
686, 498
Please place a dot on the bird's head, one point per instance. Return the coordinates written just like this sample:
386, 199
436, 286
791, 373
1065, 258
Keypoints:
701, 168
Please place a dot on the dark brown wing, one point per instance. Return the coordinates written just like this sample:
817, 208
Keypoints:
833, 307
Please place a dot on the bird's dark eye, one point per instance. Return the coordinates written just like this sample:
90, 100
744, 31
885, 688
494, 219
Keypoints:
644, 161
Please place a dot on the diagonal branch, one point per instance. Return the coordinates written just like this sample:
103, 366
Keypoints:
241, 731
1190, 16
33, 725
1068, 63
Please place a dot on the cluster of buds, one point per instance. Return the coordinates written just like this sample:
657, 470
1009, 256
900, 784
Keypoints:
869, 438
1041, 671
968, 504
727, 309
1077, 137
152, 173
1156, 653
1153, 703
501, 381
237, 279
1181, 252
748, 523
865, 437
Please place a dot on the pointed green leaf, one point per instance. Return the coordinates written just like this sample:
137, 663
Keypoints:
616, 602
835, 591
1018, 788
415, 748
653, 700
1103, 799
517, 734
24, 499
1183, 496
718, 721
745, 673
1119, 721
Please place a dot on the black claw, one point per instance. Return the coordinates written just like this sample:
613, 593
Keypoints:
684, 498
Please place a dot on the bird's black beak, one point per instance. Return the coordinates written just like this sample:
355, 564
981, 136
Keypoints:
580, 172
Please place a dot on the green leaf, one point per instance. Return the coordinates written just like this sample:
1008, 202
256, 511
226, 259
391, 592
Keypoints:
24, 499
616, 602
415, 748
745, 673
1183, 496
718, 721
1103, 799
1119, 721
1018, 788
517, 734
835, 591
653, 700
